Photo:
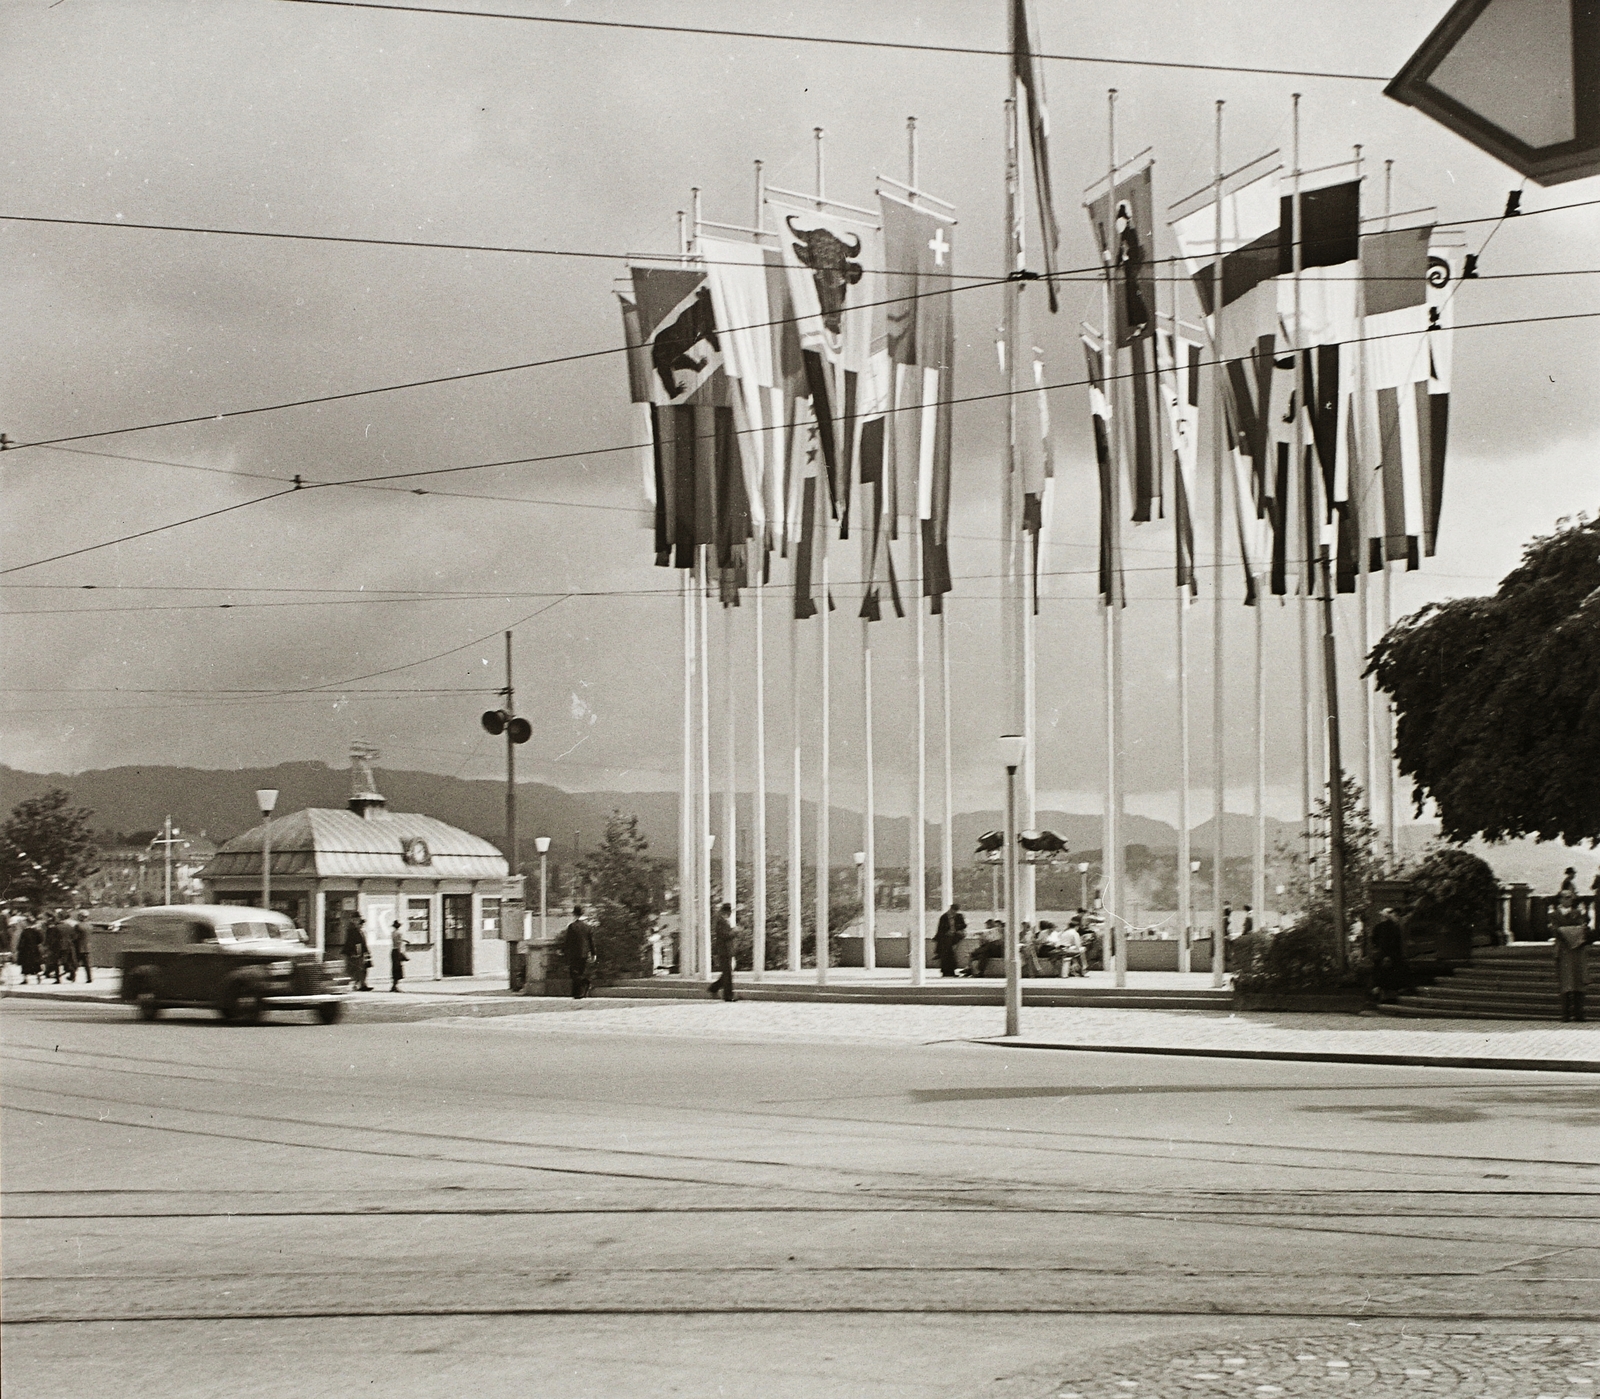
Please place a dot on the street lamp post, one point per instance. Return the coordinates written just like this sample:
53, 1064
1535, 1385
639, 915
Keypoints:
1013, 748
266, 799
542, 845
1083, 885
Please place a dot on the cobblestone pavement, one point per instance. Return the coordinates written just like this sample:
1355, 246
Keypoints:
1076, 1025
1415, 1365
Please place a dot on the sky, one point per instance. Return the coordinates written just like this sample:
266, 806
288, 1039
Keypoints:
389, 603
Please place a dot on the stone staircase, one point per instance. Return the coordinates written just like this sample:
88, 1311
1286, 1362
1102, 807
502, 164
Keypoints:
1043, 991
1501, 983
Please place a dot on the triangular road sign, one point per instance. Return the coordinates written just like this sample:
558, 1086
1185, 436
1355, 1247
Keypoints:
1519, 79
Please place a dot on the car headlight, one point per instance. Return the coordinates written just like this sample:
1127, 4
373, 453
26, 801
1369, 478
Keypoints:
280, 968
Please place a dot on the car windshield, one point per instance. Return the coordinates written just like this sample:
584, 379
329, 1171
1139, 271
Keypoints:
246, 932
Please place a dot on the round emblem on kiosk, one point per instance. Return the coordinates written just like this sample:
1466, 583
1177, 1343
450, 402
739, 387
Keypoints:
415, 852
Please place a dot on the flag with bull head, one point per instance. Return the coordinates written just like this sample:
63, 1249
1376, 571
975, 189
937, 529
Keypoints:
1027, 73
1112, 590
833, 265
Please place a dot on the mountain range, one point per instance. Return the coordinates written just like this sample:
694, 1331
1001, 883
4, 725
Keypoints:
222, 804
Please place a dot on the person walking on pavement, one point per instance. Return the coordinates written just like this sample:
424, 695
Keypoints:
55, 939
951, 933
1569, 931
357, 956
397, 957
30, 951
580, 953
78, 934
723, 933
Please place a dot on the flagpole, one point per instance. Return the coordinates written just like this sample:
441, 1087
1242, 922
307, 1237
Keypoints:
1258, 850
869, 847
915, 945
1012, 260
1185, 886
1356, 488
796, 864
1391, 822
826, 737
947, 861
1218, 751
730, 800
1113, 856
758, 860
703, 957
688, 899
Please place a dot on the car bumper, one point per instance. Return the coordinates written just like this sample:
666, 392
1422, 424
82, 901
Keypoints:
319, 998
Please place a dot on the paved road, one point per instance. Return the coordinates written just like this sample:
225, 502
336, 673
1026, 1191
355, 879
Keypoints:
460, 1207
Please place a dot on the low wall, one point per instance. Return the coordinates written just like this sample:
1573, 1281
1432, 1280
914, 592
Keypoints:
892, 952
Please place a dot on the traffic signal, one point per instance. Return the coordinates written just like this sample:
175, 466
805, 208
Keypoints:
494, 720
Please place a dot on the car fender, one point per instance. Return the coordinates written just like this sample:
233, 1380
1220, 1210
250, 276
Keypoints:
137, 979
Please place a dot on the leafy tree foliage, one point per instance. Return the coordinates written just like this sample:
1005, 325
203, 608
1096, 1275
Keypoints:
624, 884
1498, 698
46, 850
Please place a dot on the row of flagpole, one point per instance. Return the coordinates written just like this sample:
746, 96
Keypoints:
1319, 763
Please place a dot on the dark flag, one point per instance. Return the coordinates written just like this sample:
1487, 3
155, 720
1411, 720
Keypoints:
1027, 72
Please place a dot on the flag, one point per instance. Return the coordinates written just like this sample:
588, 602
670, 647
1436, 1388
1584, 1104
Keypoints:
832, 264
1038, 478
1178, 358
917, 368
1124, 226
1111, 583
1397, 363
676, 325
638, 361
1027, 72
1245, 306
1445, 257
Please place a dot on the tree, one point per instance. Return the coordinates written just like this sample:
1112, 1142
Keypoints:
46, 850
1361, 849
1498, 698
624, 883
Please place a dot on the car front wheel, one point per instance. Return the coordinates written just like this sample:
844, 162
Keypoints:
331, 1013
242, 1006
149, 1006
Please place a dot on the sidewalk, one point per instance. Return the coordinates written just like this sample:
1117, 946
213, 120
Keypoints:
1355, 1039
1220, 1033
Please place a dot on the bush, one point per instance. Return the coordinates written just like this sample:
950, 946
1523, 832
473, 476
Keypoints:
1303, 957
1455, 892
624, 883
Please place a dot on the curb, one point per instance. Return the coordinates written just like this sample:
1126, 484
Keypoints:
1307, 1056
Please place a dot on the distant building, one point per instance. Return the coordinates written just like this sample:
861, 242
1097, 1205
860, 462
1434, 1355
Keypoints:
446, 887
135, 873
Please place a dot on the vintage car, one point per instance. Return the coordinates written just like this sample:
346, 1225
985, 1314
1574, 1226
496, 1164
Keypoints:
239, 962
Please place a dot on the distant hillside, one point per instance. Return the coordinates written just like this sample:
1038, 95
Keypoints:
222, 804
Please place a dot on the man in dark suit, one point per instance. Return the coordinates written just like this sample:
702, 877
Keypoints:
722, 941
951, 933
580, 953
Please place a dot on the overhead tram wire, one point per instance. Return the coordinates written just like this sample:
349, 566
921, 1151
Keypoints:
957, 49
308, 486
1063, 275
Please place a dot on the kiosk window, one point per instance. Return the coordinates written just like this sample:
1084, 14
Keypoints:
419, 920
489, 922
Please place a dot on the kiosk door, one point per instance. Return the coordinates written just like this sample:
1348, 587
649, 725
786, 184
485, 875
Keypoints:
457, 948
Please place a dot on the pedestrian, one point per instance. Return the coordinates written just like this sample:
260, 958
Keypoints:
951, 933
1074, 960
1249, 921
357, 956
1227, 921
30, 951
54, 946
1390, 972
1026, 955
723, 933
1569, 929
991, 947
580, 953
1569, 881
79, 934
397, 957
